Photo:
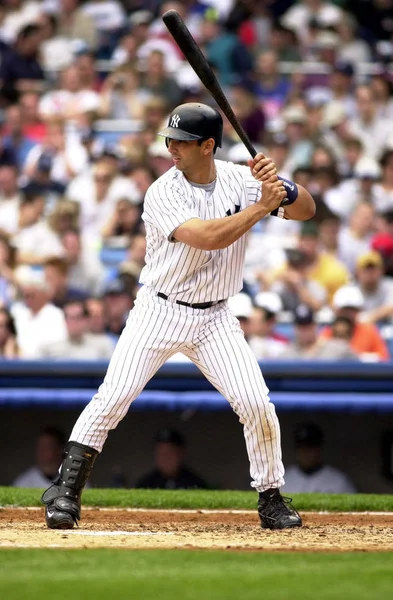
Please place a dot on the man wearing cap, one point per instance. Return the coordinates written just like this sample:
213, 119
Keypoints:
310, 474
307, 345
366, 340
170, 472
377, 290
264, 341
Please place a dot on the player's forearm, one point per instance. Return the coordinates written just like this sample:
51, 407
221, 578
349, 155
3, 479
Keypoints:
303, 208
221, 233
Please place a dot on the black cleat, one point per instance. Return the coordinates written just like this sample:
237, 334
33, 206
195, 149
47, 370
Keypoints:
275, 511
56, 519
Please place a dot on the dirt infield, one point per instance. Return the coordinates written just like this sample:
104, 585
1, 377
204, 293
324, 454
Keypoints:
198, 529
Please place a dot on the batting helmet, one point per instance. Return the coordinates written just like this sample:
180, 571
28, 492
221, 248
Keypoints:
194, 121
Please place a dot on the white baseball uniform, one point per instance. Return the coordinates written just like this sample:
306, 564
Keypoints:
211, 337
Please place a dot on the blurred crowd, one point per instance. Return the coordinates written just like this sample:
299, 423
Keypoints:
84, 88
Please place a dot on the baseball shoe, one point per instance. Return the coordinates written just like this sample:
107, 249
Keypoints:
63, 498
275, 511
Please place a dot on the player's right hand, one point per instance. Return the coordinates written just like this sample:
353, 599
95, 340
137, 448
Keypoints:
273, 193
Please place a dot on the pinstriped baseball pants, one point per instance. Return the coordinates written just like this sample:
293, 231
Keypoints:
213, 340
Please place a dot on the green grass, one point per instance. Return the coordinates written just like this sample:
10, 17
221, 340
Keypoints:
190, 574
199, 499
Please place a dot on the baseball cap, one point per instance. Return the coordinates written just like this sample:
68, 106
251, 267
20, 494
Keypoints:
269, 301
383, 243
170, 436
140, 17
294, 114
344, 67
303, 315
115, 286
367, 168
240, 305
348, 296
369, 259
27, 276
308, 434
334, 114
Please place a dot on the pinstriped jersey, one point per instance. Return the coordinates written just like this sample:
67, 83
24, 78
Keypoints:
177, 270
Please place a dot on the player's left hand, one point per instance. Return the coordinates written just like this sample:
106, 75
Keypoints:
262, 167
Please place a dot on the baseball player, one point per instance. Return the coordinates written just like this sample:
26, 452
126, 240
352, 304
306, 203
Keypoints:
196, 217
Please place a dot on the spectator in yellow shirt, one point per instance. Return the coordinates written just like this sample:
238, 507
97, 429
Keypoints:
325, 269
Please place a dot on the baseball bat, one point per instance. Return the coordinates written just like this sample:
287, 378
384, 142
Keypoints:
198, 62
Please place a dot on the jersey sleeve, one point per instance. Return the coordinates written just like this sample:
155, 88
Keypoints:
166, 208
254, 190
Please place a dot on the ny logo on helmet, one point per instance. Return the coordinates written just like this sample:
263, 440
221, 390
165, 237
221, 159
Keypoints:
175, 121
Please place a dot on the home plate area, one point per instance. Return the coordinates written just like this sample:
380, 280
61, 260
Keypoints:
106, 528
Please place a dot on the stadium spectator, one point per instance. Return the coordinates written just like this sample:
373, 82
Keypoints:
295, 128
80, 344
241, 307
170, 471
377, 289
156, 81
117, 305
294, 284
96, 315
7, 275
324, 14
248, 110
20, 70
48, 455
383, 191
8, 344
308, 346
38, 322
224, 50
122, 96
366, 340
97, 193
124, 222
56, 276
10, 194
362, 188
69, 101
382, 242
33, 128
29, 232
272, 89
85, 271
61, 158
75, 23
325, 269
15, 140
56, 50
310, 474
264, 340
373, 130
382, 88
355, 239
352, 48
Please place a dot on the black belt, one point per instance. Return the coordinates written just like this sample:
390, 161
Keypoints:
198, 305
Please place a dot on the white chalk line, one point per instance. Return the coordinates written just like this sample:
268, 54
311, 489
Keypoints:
203, 511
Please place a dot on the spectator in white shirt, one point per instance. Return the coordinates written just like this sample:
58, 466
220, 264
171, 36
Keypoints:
373, 130
355, 239
37, 321
97, 194
48, 455
264, 341
66, 158
86, 272
384, 189
80, 343
69, 101
310, 474
298, 17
